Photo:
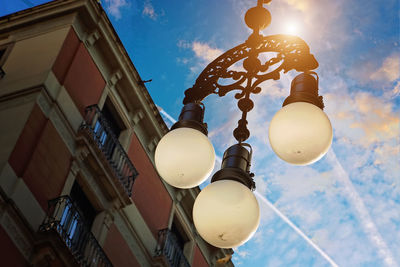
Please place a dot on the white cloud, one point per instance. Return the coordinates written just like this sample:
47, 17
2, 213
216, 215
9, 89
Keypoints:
395, 92
205, 52
298, 231
389, 70
366, 221
184, 44
242, 253
184, 61
298, 182
148, 10
114, 7
363, 118
377, 72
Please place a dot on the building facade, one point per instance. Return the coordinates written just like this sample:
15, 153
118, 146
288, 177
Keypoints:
78, 132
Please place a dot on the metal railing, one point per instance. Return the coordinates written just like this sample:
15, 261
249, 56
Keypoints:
100, 130
169, 248
64, 217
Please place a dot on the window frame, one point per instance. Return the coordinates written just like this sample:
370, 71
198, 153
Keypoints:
7, 47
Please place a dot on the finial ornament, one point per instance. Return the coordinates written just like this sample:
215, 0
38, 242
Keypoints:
257, 18
263, 2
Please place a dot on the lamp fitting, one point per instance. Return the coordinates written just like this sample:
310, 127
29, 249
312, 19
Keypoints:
304, 88
191, 116
235, 166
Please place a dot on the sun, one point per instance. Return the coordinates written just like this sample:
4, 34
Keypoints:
291, 27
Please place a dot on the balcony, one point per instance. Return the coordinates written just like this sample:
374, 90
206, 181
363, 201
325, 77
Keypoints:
100, 133
169, 248
65, 219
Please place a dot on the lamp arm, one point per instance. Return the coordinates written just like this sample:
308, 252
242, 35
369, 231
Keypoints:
291, 51
240, 69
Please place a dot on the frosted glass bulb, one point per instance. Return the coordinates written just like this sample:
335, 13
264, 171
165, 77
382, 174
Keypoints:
226, 214
300, 133
184, 157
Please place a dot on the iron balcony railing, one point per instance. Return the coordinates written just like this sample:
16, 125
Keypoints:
169, 248
100, 130
64, 217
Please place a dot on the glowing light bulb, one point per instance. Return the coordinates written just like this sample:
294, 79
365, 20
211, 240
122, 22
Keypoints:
300, 133
226, 214
184, 157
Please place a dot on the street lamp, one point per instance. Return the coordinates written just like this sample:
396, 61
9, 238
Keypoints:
185, 156
226, 213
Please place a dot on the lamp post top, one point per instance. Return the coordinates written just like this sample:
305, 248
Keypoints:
240, 69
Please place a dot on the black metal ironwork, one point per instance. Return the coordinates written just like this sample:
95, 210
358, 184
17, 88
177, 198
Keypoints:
105, 139
64, 217
304, 88
168, 247
241, 69
192, 116
292, 52
236, 166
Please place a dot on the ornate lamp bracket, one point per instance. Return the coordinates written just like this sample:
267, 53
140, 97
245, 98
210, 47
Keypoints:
244, 67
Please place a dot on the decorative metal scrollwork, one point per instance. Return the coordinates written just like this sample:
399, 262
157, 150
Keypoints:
223, 75
290, 51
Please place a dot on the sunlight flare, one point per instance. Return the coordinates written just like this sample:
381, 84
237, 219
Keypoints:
292, 28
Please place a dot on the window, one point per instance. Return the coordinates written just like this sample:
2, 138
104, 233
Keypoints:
83, 204
2, 59
172, 244
72, 216
110, 115
108, 128
181, 240
181, 237
2, 52
77, 218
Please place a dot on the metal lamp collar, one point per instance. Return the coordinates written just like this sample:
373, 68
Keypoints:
235, 166
192, 115
304, 88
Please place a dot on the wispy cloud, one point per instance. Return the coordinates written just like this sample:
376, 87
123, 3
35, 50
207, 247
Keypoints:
242, 253
296, 229
377, 119
380, 72
389, 70
149, 11
114, 7
395, 92
304, 5
169, 118
363, 117
365, 218
205, 52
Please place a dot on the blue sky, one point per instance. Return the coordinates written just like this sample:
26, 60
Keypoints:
343, 210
